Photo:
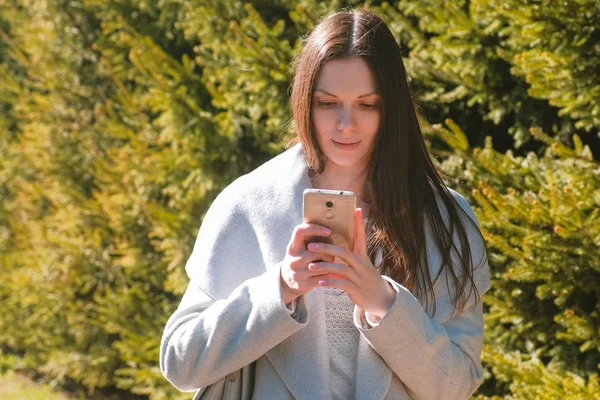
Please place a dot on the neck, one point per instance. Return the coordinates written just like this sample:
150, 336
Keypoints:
340, 179
352, 179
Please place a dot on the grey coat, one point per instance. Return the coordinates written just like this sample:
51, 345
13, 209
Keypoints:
232, 312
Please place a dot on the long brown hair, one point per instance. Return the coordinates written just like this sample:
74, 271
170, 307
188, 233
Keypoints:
403, 188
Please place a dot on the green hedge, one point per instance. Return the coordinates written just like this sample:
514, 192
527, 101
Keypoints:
121, 120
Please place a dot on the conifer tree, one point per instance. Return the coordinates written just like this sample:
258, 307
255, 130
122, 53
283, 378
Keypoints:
91, 217
504, 66
540, 217
120, 121
48, 180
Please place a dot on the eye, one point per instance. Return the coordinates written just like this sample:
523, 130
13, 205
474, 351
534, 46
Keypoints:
370, 106
326, 104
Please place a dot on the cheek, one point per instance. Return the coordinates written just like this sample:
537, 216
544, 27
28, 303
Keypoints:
323, 121
370, 123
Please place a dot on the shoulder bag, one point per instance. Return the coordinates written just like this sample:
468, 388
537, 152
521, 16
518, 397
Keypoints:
238, 385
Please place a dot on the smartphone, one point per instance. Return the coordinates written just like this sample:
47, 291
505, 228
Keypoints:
333, 209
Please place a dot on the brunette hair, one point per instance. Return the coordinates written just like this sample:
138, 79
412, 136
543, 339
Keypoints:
402, 186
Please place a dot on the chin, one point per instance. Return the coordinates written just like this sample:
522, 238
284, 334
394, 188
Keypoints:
348, 161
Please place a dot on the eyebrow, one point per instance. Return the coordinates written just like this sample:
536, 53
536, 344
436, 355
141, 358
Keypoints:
333, 95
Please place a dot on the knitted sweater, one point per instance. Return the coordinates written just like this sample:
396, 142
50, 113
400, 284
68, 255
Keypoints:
342, 342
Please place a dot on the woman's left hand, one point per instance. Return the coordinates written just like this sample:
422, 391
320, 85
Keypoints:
363, 283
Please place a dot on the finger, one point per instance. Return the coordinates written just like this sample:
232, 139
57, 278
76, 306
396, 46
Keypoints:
360, 234
313, 281
336, 270
307, 258
302, 231
336, 251
321, 257
335, 276
337, 283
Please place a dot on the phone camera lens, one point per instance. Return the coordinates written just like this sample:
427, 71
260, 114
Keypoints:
329, 204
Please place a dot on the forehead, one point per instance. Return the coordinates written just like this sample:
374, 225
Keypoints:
346, 76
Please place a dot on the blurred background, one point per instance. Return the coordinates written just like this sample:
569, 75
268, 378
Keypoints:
121, 120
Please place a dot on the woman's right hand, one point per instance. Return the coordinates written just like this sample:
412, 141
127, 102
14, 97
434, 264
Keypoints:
296, 278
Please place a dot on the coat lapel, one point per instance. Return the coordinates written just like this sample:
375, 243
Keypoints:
373, 376
302, 360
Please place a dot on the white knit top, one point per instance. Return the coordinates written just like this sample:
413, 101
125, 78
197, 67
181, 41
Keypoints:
342, 339
342, 342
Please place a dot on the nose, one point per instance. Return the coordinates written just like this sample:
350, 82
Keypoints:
346, 120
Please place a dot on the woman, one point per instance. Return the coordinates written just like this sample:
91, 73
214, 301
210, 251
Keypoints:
398, 318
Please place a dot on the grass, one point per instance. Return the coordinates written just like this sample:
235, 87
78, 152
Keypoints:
18, 387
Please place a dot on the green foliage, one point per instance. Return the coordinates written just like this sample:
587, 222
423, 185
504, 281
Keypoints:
514, 64
555, 47
530, 379
541, 220
102, 150
121, 120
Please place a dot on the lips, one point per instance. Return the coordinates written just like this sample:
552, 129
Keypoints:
345, 145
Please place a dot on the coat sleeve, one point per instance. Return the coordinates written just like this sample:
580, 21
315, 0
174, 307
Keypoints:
435, 357
232, 311
204, 340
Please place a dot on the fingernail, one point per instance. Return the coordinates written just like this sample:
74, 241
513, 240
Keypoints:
326, 230
313, 246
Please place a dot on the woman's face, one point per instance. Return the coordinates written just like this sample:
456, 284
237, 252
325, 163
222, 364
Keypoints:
346, 112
